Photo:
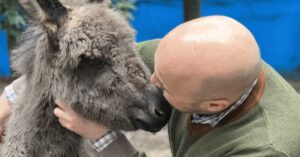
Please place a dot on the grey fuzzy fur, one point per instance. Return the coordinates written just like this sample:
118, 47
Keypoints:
60, 63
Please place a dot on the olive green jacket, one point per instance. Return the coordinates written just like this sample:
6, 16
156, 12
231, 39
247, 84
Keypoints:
271, 128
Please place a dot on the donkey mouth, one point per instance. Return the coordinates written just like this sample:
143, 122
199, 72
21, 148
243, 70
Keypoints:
139, 124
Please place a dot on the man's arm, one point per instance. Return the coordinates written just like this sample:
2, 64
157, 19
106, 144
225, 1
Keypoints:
4, 113
7, 98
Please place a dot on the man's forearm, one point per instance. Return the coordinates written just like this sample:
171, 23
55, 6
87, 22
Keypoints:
4, 106
4, 113
8, 97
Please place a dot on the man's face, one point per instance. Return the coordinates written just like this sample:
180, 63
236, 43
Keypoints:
180, 94
178, 76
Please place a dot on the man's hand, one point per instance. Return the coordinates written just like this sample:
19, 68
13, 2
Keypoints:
76, 123
4, 114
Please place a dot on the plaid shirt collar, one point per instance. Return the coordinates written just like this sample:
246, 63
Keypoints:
214, 119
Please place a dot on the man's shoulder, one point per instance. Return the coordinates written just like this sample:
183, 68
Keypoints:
148, 48
278, 91
280, 106
148, 44
147, 51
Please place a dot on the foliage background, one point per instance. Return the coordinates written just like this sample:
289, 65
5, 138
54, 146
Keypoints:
11, 19
13, 22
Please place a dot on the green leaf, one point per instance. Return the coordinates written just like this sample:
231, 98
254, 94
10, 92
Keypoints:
11, 19
125, 7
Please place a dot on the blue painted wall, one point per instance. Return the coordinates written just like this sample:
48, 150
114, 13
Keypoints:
274, 23
4, 61
155, 18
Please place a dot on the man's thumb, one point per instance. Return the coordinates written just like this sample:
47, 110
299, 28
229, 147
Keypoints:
1, 134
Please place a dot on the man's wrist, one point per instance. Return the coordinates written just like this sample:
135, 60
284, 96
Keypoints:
9, 94
120, 147
117, 144
4, 108
102, 132
105, 140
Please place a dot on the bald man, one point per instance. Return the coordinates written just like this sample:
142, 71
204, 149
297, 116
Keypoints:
227, 101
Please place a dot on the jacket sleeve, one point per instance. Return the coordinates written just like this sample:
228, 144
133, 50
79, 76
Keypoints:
121, 147
268, 150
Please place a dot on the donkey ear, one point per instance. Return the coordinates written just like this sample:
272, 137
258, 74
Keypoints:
49, 11
53, 10
31, 8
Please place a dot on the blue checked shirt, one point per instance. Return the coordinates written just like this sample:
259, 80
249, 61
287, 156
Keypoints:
10, 94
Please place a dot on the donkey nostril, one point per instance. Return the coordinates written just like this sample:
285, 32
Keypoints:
158, 112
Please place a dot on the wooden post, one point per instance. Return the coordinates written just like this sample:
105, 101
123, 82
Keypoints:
191, 9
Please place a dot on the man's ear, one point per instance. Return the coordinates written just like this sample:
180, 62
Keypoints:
218, 105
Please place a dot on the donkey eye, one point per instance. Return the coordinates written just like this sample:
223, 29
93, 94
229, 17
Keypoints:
96, 63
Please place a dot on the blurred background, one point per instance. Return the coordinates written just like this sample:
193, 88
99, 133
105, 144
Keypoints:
274, 23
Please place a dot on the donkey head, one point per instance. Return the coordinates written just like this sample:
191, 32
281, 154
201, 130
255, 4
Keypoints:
88, 55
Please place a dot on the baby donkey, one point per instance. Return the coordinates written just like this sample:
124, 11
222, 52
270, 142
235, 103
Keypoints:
86, 56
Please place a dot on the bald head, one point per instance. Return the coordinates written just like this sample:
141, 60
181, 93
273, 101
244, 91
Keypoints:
208, 58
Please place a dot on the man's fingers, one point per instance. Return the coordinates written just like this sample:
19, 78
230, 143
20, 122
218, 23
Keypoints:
67, 125
60, 113
1, 134
61, 105
64, 123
